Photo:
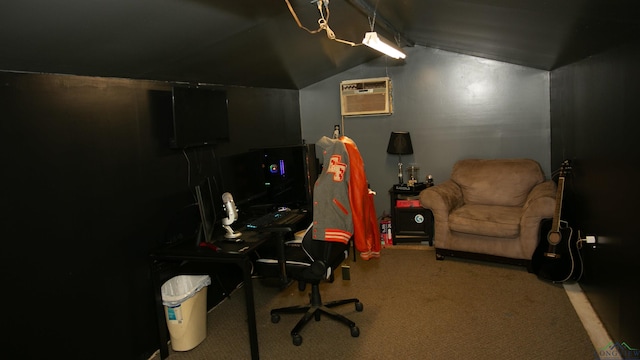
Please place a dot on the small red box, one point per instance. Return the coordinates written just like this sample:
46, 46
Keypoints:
408, 203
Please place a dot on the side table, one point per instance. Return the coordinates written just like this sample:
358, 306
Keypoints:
410, 222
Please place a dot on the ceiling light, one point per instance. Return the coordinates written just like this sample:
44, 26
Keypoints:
377, 42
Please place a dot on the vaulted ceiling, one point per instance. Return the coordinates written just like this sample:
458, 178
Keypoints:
258, 43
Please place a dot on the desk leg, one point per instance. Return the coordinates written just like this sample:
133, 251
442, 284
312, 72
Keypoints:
251, 310
162, 331
284, 280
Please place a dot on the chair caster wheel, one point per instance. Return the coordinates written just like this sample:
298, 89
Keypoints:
359, 306
297, 340
275, 318
355, 332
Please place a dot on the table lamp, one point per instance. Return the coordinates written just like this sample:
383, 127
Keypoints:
400, 144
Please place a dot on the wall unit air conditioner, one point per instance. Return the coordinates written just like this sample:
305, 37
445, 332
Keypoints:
366, 97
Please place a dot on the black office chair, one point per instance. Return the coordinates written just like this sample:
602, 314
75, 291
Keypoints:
313, 262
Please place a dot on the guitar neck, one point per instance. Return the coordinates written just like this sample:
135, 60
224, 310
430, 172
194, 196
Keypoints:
555, 225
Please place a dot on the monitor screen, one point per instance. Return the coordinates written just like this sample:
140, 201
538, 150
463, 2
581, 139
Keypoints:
262, 180
242, 176
290, 172
200, 116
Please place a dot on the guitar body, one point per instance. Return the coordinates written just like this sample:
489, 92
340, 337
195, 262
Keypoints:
560, 262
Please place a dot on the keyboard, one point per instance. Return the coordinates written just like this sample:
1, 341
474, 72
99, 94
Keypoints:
276, 218
289, 219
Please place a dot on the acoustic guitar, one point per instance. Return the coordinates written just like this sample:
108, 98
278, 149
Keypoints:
557, 257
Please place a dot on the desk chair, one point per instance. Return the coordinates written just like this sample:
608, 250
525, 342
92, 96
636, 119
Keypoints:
315, 261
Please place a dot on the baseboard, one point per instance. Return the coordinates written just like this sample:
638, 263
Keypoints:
413, 246
595, 329
443, 253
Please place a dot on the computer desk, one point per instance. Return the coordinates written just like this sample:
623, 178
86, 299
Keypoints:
229, 253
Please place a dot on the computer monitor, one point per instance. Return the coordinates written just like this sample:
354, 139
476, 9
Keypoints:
290, 173
200, 116
242, 176
206, 205
262, 180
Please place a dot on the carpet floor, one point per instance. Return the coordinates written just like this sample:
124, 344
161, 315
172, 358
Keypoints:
414, 308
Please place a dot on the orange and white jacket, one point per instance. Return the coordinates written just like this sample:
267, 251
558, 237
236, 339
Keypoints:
343, 203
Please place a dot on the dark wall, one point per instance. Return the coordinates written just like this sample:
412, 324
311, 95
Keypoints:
594, 116
89, 187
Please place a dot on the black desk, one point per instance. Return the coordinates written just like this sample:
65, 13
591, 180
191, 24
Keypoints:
234, 253
281, 232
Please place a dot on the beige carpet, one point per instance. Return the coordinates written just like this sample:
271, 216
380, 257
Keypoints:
414, 308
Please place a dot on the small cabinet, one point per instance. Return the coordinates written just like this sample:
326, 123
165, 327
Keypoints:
410, 222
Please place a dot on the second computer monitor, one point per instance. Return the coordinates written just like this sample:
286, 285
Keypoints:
270, 177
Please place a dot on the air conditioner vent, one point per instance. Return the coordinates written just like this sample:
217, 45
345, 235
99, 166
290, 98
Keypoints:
366, 97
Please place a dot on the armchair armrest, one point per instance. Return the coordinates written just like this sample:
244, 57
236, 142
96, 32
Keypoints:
541, 200
540, 204
442, 199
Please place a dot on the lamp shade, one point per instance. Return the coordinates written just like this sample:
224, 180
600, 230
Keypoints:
400, 143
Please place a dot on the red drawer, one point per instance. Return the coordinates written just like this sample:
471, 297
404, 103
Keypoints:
408, 203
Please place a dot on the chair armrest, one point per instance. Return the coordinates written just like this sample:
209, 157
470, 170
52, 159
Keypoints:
540, 204
442, 198
541, 200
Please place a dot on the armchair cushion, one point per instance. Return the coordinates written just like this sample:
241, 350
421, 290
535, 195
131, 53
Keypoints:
505, 182
487, 220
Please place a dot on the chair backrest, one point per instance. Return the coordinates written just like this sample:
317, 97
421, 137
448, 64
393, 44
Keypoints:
325, 256
504, 182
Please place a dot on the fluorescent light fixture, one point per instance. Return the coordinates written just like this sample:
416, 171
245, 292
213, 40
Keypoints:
374, 41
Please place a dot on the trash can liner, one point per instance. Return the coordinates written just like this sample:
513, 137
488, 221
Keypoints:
178, 289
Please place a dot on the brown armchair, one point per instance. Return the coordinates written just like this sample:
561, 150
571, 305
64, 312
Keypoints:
490, 209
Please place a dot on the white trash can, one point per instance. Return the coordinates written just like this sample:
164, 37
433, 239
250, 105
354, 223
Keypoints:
185, 308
